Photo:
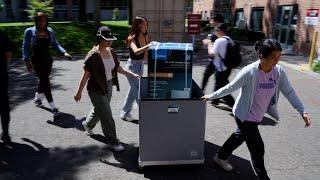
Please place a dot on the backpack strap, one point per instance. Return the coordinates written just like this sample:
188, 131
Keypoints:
226, 49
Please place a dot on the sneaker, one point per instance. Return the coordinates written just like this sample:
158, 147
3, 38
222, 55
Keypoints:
222, 163
6, 139
56, 112
127, 118
38, 102
117, 147
87, 129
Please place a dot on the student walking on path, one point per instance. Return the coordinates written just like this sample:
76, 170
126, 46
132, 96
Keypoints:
260, 83
100, 70
218, 51
37, 40
210, 69
138, 43
5, 57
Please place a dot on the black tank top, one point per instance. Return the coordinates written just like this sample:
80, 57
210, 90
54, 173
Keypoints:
134, 56
41, 50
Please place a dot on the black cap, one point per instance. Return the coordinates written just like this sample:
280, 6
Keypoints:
105, 33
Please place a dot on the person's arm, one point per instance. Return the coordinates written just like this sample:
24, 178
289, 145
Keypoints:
57, 46
26, 44
83, 81
288, 91
126, 72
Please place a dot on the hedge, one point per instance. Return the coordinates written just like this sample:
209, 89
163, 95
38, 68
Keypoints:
76, 38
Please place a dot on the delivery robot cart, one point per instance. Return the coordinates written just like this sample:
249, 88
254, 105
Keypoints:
171, 131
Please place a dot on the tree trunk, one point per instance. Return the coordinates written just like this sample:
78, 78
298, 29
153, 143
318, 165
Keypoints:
69, 10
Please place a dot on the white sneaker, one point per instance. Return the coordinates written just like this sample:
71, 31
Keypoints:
117, 147
222, 163
127, 118
87, 129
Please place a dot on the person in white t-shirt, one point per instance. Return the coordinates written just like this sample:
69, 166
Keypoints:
218, 51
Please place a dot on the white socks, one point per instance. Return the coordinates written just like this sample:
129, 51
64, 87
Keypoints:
38, 96
52, 105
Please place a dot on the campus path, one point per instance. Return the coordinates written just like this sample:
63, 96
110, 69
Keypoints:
48, 148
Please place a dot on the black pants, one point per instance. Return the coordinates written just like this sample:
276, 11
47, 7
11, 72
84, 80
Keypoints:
4, 108
248, 132
222, 80
43, 71
206, 75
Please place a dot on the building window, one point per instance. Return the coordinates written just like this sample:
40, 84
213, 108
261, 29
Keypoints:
239, 18
256, 19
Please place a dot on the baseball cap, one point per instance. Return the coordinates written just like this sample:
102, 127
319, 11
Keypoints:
105, 33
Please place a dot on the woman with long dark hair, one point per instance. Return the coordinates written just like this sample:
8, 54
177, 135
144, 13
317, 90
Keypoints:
100, 70
138, 43
260, 83
35, 52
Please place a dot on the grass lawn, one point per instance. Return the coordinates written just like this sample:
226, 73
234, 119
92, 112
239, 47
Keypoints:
75, 37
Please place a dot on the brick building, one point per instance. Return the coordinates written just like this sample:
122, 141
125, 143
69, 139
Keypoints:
284, 20
14, 10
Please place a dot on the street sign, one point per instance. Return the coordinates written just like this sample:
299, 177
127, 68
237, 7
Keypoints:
194, 23
312, 17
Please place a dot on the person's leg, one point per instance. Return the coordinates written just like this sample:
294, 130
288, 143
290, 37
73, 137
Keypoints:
5, 114
103, 111
133, 89
256, 147
223, 80
207, 73
232, 143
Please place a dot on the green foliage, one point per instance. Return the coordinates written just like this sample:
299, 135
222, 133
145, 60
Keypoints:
1, 6
45, 6
76, 38
116, 14
316, 68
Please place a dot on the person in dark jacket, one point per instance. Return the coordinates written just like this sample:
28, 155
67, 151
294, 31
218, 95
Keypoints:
5, 57
37, 40
100, 70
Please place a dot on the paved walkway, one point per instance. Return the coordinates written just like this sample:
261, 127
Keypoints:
58, 148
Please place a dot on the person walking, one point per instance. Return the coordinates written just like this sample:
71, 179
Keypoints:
100, 70
210, 69
260, 84
218, 51
37, 40
138, 43
5, 57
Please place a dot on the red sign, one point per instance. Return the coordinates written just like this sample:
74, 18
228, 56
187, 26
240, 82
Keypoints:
194, 23
312, 12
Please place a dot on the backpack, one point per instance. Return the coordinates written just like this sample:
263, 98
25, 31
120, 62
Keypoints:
233, 56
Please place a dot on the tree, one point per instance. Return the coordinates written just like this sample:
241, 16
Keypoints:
45, 6
1, 6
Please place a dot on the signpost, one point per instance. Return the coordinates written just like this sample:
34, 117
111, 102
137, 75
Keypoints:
194, 25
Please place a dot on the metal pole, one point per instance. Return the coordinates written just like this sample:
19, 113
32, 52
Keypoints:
313, 47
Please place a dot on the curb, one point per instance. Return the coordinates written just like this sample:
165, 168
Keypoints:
303, 68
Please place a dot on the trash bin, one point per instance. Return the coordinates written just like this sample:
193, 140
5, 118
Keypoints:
171, 131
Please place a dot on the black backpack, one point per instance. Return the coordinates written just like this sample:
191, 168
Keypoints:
233, 56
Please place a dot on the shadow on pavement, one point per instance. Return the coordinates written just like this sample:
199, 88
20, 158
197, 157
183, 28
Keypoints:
23, 85
66, 120
128, 160
33, 161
